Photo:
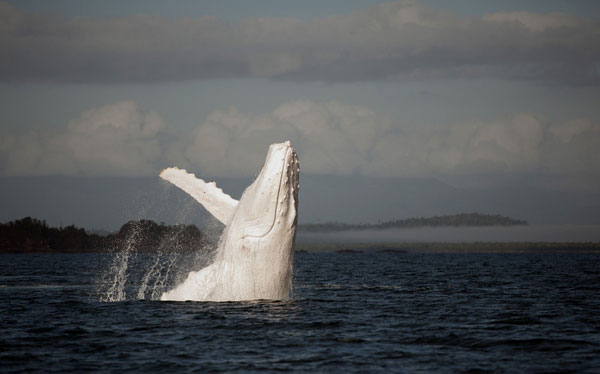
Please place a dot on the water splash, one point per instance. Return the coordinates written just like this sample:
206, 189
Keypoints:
116, 290
154, 272
145, 275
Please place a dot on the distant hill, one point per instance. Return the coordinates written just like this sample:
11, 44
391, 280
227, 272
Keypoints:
33, 235
462, 219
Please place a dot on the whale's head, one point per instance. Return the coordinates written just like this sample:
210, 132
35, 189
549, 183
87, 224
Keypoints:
268, 207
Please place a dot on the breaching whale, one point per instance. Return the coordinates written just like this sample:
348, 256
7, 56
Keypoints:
255, 254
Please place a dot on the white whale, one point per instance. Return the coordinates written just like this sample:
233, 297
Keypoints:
256, 250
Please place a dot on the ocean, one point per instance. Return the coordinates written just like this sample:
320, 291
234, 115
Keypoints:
350, 312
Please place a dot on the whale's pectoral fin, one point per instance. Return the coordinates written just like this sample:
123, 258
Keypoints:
217, 202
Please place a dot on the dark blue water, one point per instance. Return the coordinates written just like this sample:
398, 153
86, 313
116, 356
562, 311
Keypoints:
429, 313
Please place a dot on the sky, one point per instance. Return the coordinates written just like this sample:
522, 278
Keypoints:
500, 98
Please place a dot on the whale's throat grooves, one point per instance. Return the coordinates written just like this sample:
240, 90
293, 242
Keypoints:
275, 211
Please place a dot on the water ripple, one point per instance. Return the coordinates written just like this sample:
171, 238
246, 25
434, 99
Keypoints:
350, 313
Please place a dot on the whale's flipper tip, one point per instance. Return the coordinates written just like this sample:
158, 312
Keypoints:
164, 172
218, 203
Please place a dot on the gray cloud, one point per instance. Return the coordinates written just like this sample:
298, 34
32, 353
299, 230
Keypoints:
397, 40
330, 138
333, 138
534, 21
114, 139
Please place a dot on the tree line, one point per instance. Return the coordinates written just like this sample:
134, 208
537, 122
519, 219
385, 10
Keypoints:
34, 235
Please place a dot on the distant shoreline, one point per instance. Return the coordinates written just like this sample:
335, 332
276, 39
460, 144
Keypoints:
30, 235
379, 248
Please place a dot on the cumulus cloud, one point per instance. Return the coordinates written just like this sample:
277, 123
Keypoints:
333, 138
116, 139
330, 138
396, 40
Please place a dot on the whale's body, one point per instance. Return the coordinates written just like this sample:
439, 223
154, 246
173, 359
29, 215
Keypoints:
256, 250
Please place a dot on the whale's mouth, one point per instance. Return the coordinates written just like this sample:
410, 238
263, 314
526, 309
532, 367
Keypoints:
267, 214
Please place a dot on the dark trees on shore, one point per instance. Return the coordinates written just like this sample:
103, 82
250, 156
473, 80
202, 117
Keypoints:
33, 235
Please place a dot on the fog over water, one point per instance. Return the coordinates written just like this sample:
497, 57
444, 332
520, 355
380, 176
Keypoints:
530, 233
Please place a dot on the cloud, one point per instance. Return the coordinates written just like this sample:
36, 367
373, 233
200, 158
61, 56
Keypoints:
330, 138
534, 21
116, 139
333, 138
398, 40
